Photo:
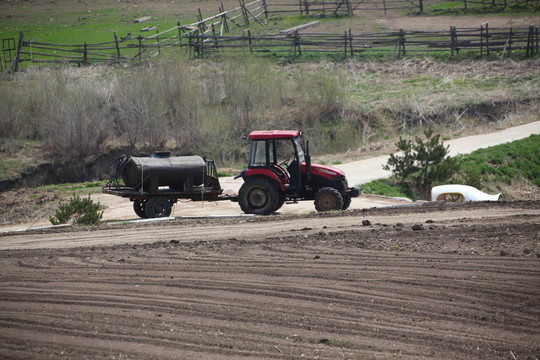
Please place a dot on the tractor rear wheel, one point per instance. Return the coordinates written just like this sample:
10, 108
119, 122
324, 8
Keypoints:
258, 196
158, 206
138, 207
281, 201
327, 199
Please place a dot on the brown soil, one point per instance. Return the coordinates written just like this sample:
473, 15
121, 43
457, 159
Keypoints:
464, 285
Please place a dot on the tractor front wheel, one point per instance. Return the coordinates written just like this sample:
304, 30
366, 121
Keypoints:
258, 196
327, 199
346, 201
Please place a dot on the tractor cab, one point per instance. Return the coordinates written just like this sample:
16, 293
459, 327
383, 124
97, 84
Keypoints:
280, 169
282, 152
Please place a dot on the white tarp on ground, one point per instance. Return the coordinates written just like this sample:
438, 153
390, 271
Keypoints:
455, 192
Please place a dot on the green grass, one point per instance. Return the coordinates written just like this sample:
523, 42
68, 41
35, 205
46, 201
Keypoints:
506, 163
18, 155
387, 187
11, 167
228, 173
80, 27
79, 188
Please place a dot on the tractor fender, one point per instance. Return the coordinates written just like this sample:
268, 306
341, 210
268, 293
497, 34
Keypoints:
264, 173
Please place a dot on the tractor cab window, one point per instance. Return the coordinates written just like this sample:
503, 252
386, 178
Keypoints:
258, 154
275, 151
299, 145
284, 151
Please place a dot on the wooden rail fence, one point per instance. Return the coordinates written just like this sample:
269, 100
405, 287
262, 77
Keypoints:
341, 7
208, 37
486, 4
482, 41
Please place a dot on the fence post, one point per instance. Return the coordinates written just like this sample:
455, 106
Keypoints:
214, 34
190, 44
402, 39
530, 41
249, 41
199, 46
180, 38
117, 46
265, 9
349, 8
421, 6
294, 45
140, 46
85, 55
202, 25
465, 4
244, 12
158, 45
351, 42
225, 24
345, 47
510, 42
452, 39
481, 40
487, 39
297, 37
17, 57
536, 49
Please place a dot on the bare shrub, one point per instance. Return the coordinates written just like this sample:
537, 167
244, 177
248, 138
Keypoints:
11, 114
77, 127
139, 110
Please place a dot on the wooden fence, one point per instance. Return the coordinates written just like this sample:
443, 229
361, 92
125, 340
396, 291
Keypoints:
207, 37
482, 41
341, 7
486, 4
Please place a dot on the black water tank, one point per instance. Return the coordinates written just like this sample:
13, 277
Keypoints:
180, 173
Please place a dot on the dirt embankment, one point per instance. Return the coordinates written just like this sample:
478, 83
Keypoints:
359, 285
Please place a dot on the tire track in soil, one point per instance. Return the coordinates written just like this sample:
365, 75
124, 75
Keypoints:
328, 293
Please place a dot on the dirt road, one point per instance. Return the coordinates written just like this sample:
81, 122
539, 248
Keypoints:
464, 285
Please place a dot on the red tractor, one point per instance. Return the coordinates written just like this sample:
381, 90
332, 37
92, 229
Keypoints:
280, 170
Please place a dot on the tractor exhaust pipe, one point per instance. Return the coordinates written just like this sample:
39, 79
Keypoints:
308, 163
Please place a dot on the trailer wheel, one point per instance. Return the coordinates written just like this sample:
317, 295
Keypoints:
346, 201
158, 206
139, 208
328, 199
258, 196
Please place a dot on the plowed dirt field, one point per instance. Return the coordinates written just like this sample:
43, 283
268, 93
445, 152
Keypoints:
433, 281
